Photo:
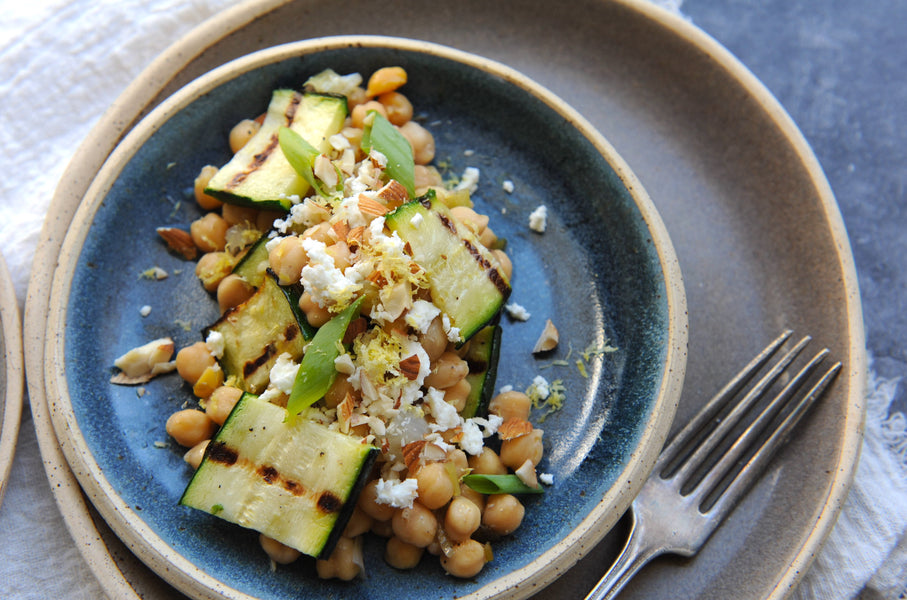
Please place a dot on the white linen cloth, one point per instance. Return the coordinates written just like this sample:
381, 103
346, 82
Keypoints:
62, 63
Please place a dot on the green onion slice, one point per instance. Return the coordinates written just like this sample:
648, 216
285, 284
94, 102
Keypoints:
499, 484
317, 372
301, 155
384, 137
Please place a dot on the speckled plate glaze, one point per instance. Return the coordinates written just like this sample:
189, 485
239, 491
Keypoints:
604, 271
12, 374
750, 212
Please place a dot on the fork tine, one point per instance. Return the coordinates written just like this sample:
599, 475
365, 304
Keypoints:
755, 465
682, 471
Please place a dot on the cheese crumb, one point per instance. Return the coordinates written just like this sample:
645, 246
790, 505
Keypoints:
283, 373
145, 311
469, 180
215, 343
420, 316
539, 388
399, 494
546, 478
508, 186
517, 311
538, 220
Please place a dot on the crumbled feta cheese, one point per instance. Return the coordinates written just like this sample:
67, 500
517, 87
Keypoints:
453, 333
344, 364
468, 152
420, 316
399, 494
508, 186
444, 413
505, 389
283, 373
517, 311
469, 180
327, 284
145, 311
538, 219
215, 343
471, 441
416, 220
539, 388
546, 478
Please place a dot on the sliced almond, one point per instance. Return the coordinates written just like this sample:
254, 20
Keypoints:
412, 454
513, 428
144, 362
372, 207
410, 366
393, 193
180, 241
342, 229
527, 474
548, 340
354, 237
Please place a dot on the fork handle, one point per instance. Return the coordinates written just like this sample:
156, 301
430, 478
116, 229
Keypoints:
635, 554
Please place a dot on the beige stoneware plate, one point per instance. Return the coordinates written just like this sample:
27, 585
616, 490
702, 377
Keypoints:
750, 213
12, 374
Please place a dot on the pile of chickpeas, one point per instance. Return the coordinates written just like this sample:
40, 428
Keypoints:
448, 519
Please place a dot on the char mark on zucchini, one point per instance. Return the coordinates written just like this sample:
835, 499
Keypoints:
261, 157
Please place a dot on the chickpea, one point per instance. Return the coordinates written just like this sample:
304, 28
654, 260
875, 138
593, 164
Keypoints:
434, 341
235, 214
416, 525
457, 394
487, 463
464, 560
356, 96
462, 519
264, 221
233, 291
358, 524
435, 485
340, 252
473, 496
446, 371
192, 361
369, 505
401, 555
344, 561
459, 460
221, 402
190, 427
361, 111
511, 405
399, 108
470, 218
201, 182
426, 176
488, 238
315, 314
506, 264
209, 232
383, 529
196, 453
338, 391
212, 267
287, 259
422, 141
386, 79
321, 232
503, 513
241, 133
276, 551
526, 447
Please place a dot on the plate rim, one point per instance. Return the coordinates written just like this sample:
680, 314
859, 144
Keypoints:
176, 568
122, 115
13, 384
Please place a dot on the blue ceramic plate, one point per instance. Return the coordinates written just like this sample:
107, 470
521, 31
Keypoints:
604, 272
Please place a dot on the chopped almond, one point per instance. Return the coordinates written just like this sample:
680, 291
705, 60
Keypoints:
372, 207
513, 428
179, 241
548, 340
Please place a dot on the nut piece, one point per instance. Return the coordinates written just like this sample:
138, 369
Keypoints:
179, 241
548, 339
513, 428
141, 364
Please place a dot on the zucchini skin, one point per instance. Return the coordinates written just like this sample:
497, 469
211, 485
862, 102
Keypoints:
242, 470
482, 357
259, 175
465, 279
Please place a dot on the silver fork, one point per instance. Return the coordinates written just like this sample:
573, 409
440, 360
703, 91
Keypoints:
689, 494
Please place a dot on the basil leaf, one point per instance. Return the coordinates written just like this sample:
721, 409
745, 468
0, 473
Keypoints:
301, 155
317, 372
499, 484
384, 137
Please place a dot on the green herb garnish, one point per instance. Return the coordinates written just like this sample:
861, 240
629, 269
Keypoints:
317, 371
301, 155
499, 484
217, 508
384, 137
